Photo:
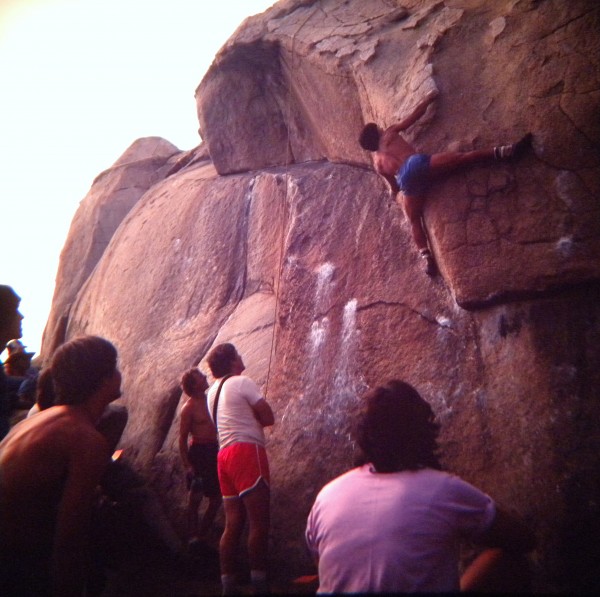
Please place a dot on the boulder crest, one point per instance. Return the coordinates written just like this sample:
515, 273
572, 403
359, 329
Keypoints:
277, 235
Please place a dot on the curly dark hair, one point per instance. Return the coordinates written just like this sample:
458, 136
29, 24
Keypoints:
221, 358
80, 366
369, 137
397, 430
189, 380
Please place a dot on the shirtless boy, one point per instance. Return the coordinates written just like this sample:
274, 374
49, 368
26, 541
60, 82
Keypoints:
200, 455
50, 467
410, 173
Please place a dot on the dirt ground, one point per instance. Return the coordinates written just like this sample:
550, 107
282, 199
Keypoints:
132, 562
153, 575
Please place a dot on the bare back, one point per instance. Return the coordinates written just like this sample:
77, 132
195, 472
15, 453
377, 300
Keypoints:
393, 151
50, 465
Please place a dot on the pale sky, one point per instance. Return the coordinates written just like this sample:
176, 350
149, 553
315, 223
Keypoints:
80, 80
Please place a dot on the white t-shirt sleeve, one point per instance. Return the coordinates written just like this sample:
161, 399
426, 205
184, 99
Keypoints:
249, 390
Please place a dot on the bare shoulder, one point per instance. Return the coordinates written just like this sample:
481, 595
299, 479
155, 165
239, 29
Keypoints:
85, 440
187, 406
389, 134
50, 443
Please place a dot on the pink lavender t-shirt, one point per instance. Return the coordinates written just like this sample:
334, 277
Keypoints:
394, 532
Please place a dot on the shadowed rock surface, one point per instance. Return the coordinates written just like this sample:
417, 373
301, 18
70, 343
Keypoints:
275, 234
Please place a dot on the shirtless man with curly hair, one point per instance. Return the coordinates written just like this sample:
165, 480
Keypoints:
410, 173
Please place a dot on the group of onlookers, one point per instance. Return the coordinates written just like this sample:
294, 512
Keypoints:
394, 523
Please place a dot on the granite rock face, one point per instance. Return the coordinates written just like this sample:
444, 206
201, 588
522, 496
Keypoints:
276, 234
114, 192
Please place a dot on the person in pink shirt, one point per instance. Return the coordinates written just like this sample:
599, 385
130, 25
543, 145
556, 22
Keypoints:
396, 523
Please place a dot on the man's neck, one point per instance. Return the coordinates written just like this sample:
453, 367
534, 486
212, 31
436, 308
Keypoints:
93, 408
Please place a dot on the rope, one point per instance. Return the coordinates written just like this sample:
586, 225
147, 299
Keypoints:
284, 226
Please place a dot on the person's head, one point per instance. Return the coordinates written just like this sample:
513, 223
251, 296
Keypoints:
223, 360
45, 389
369, 137
81, 367
15, 346
10, 318
194, 383
397, 431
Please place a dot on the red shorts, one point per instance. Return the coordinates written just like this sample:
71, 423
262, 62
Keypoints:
241, 466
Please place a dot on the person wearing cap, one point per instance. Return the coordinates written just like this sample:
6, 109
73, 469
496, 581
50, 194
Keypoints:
14, 346
21, 376
10, 328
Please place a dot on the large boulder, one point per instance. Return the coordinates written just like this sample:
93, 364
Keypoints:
297, 86
113, 193
288, 244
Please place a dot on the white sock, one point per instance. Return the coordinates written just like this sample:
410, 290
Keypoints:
502, 152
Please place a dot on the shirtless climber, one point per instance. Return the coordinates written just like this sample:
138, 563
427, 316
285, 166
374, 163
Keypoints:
410, 173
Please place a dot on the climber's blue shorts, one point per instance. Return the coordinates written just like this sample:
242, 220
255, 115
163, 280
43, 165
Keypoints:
413, 176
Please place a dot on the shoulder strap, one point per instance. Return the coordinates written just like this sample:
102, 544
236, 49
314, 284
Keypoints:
216, 402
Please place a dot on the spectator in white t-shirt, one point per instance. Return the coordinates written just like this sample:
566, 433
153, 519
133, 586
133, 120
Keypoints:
239, 415
396, 523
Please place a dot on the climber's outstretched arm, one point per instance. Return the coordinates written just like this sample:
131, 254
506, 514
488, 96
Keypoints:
419, 110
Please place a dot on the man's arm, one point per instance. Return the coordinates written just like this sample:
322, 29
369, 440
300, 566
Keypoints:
263, 412
419, 110
503, 567
89, 455
509, 532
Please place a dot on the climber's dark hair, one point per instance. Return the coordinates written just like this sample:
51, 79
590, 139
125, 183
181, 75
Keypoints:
221, 358
397, 430
80, 366
369, 137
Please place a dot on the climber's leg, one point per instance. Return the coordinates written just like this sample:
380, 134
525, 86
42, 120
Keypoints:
413, 208
446, 162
